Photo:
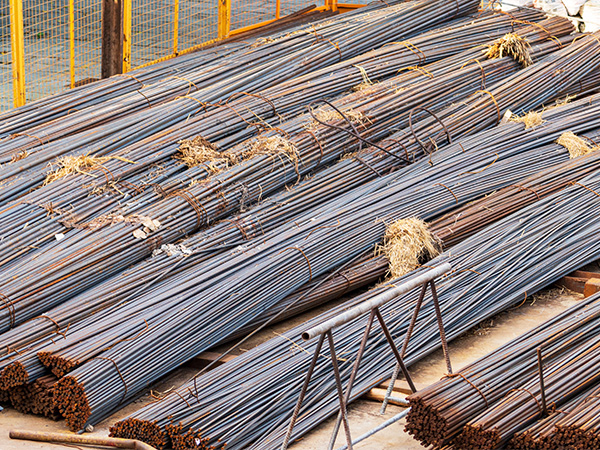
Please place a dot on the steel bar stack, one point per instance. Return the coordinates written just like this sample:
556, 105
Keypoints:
73, 200
141, 325
468, 296
104, 130
186, 294
186, 205
540, 436
580, 428
186, 210
499, 394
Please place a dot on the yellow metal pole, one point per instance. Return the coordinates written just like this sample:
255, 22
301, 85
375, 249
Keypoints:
126, 35
331, 5
278, 9
224, 19
175, 26
72, 41
17, 44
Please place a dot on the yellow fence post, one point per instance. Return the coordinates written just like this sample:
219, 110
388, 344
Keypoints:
331, 5
72, 42
126, 35
224, 20
278, 9
17, 44
175, 26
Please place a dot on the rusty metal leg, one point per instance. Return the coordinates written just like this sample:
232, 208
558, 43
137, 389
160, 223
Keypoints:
399, 359
413, 320
340, 389
438, 315
311, 369
359, 355
390, 389
409, 332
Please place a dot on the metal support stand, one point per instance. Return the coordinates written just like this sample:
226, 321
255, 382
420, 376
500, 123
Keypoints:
411, 327
372, 306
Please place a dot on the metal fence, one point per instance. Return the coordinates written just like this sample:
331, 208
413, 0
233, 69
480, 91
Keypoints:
50, 45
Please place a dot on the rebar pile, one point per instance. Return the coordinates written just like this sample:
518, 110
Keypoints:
99, 288
478, 288
580, 428
540, 436
499, 394
74, 200
573, 369
469, 219
271, 162
509, 131
190, 295
102, 130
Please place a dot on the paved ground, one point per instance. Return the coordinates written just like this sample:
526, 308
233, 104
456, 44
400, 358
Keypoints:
363, 414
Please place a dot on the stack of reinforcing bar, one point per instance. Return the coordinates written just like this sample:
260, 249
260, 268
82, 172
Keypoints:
499, 401
158, 221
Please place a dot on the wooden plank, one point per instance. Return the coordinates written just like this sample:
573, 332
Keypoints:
576, 284
591, 287
112, 38
585, 274
401, 387
378, 394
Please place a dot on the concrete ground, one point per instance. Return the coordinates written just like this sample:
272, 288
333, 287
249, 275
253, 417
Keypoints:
363, 414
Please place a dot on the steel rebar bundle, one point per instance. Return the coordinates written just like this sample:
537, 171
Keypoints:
510, 131
262, 385
488, 106
471, 218
580, 427
192, 92
74, 199
540, 436
183, 211
574, 369
500, 385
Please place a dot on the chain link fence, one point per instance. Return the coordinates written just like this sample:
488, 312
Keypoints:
50, 45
